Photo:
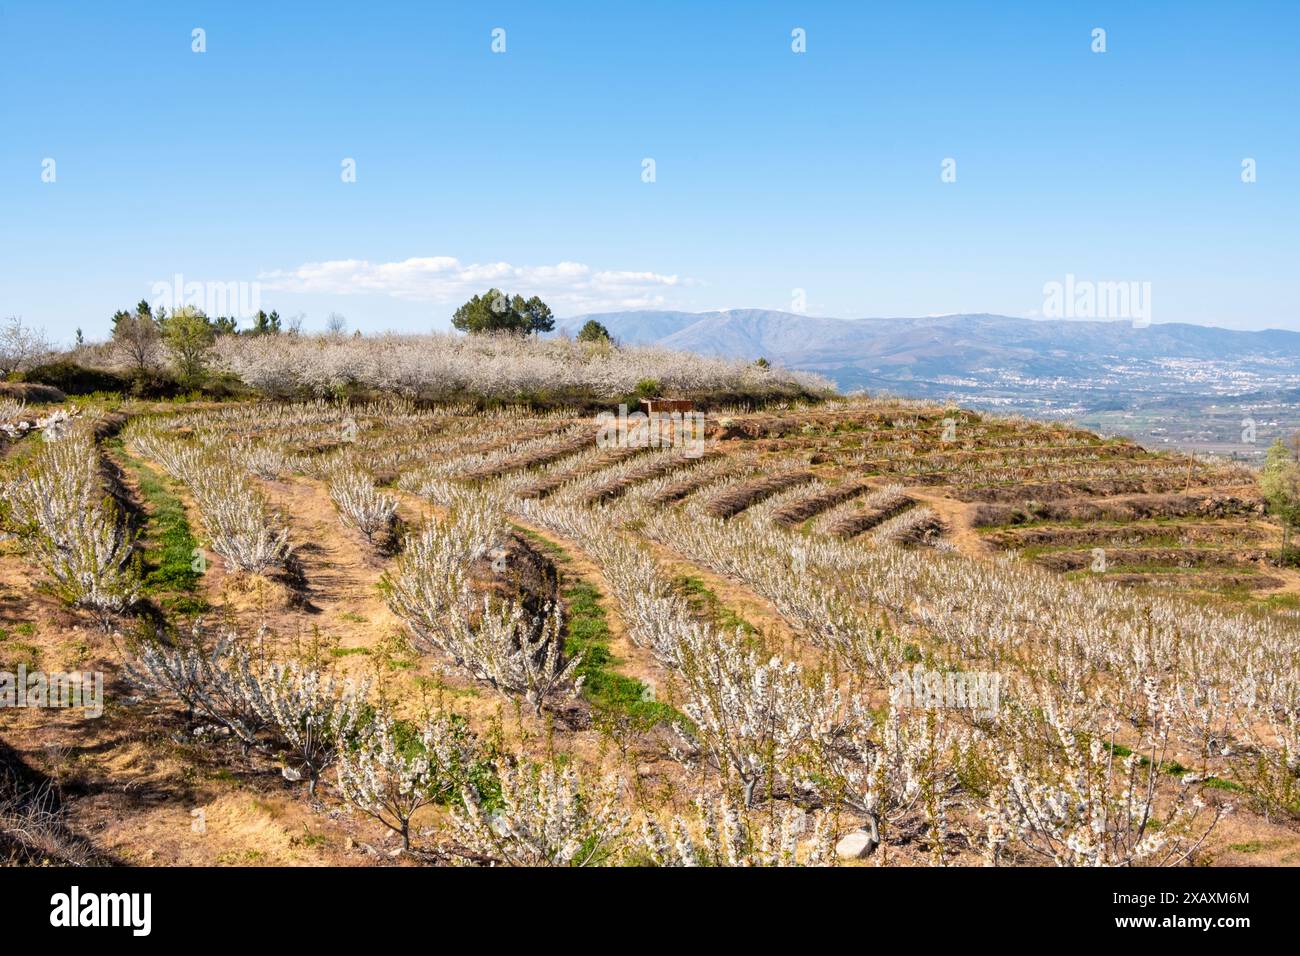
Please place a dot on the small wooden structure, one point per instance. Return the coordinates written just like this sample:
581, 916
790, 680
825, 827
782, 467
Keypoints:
663, 406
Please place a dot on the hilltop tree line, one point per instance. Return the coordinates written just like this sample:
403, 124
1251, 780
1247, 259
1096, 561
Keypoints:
186, 334
143, 337
157, 351
497, 312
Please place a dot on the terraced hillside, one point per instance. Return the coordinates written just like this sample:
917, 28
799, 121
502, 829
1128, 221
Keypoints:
1073, 502
863, 631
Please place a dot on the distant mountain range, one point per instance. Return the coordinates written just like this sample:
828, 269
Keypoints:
977, 355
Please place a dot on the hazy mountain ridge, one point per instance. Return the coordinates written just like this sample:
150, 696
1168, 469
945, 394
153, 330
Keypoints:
1188, 386
935, 350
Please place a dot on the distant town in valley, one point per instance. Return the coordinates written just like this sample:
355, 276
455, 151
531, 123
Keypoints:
1190, 388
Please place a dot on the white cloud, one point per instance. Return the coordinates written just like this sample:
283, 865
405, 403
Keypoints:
568, 287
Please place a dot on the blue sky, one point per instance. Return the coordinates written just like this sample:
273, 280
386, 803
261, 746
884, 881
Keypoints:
774, 171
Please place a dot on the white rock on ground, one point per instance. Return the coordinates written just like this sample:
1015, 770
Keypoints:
855, 845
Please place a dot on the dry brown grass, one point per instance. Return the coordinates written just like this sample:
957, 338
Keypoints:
1054, 536
1207, 504
677, 490
850, 526
533, 458
799, 511
615, 489
548, 485
736, 499
1169, 557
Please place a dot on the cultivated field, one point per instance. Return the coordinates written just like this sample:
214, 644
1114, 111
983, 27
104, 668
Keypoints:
859, 632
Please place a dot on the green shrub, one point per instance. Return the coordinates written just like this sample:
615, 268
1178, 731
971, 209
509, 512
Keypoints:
647, 388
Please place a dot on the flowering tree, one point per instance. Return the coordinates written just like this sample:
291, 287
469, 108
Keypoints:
397, 769
235, 511
500, 366
547, 817
285, 709
217, 684
20, 345
892, 770
75, 531
723, 835
1082, 804
758, 719
430, 589
313, 716
360, 504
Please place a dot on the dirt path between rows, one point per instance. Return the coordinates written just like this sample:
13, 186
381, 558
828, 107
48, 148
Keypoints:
956, 518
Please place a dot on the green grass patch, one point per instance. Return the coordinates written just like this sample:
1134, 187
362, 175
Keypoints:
1174, 768
706, 605
588, 634
15, 653
169, 542
21, 450
545, 545
1288, 601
